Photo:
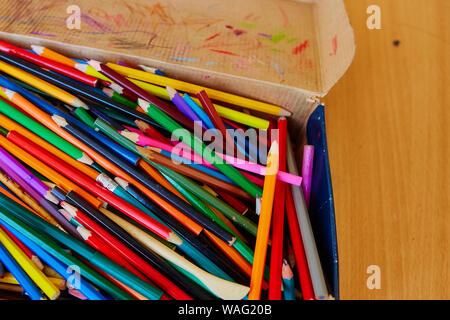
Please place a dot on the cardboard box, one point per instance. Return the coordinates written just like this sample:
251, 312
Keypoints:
289, 53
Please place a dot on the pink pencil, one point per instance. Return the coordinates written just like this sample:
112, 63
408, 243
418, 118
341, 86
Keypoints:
144, 141
307, 168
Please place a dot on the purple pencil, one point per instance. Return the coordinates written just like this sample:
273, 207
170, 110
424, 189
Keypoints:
10, 165
307, 168
183, 106
51, 208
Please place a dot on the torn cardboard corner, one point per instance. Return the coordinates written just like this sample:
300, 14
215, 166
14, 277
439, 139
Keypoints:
284, 52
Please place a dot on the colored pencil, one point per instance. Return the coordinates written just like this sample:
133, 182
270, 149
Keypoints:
38, 83
93, 187
24, 174
132, 158
191, 88
26, 198
129, 169
195, 174
187, 236
22, 277
221, 288
30, 254
178, 203
276, 254
122, 81
151, 131
198, 111
183, 106
233, 202
299, 249
200, 148
27, 70
50, 290
48, 64
84, 287
89, 70
42, 131
288, 281
48, 206
217, 122
264, 223
13, 126
119, 98
152, 265
307, 170
224, 112
15, 216
151, 70
98, 243
53, 55
42, 168
313, 259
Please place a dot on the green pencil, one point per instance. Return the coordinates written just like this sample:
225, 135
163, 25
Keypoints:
44, 133
200, 148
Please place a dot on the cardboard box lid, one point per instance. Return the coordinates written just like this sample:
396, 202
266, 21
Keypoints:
285, 52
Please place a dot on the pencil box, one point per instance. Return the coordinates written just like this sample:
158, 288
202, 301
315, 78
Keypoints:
286, 52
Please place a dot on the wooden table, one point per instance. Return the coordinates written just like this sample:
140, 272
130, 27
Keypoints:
388, 133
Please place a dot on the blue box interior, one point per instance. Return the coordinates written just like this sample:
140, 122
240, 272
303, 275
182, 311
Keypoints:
321, 211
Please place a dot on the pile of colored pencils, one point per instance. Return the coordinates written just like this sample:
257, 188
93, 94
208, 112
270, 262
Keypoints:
111, 187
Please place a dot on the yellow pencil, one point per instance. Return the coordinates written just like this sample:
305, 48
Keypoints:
50, 290
42, 85
58, 282
192, 88
224, 112
265, 216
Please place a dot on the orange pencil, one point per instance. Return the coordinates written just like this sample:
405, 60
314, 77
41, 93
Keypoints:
265, 216
52, 55
46, 171
10, 125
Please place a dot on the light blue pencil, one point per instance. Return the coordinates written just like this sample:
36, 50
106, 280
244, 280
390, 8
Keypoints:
198, 111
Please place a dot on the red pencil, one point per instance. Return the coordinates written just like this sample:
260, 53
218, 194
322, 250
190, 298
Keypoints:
153, 274
170, 110
232, 201
91, 186
299, 250
217, 121
276, 257
48, 64
98, 244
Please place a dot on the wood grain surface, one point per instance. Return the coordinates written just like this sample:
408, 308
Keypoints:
388, 133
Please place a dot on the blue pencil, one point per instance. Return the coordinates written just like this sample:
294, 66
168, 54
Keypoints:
84, 287
198, 111
2, 270
24, 280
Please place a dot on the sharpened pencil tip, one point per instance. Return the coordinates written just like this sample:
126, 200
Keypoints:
171, 91
121, 182
108, 91
38, 49
143, 104
8, 93
95, 64
284, 113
